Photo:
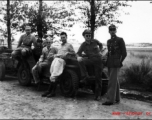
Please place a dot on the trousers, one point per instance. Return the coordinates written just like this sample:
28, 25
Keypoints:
21, 51
113, 92
38, 68
98, 66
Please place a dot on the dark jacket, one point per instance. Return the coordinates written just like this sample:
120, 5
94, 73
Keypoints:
116, 52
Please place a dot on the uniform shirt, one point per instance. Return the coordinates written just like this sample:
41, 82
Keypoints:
64, 48
116, 51
90, 49
27, 40
47, 54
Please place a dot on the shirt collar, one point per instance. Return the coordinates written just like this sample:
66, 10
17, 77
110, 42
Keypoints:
64, 43
27, 35
88, 42
114, 36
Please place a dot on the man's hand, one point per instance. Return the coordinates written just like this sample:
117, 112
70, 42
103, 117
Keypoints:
67, 53
40, 60
57, 55
79, 58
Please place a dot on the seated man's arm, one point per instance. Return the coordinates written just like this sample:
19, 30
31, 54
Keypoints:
80, 50
71, 50
52, 53
42, 56
34, 41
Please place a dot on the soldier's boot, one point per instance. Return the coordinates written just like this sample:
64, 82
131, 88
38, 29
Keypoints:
97, 94
53, 92
48, 91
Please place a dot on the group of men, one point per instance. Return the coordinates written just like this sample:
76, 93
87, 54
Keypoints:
92, 49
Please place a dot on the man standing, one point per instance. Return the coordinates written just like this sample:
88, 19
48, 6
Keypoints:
45, 60
24, 44
92, 48
116, 55
59, 59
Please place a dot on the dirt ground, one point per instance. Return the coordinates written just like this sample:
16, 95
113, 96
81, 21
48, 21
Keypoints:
18, 102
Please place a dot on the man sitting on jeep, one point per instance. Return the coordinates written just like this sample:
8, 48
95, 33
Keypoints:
45, 60
92, 49
24, 44
65, 51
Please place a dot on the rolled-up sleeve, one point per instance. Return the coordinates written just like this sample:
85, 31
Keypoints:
80, 50
71, 49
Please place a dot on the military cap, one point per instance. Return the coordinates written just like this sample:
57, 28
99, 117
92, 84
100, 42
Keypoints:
87, 31
112, 27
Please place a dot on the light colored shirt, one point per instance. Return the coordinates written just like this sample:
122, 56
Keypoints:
27, 40
48, 54
67, 47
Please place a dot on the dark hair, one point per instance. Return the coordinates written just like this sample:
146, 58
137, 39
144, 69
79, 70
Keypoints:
63, 33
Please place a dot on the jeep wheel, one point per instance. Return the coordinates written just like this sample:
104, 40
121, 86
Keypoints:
2, 70
69, 83
24, 76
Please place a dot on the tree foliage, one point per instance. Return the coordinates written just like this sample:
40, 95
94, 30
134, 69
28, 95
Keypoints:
56, 16
105, 12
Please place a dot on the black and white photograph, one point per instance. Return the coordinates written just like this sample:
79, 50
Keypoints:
75, 59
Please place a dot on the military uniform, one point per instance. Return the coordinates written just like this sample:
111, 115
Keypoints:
47, 58
93, 52
116, 55
25, 43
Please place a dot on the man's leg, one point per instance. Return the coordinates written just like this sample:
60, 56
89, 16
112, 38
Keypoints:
35, 74
82, 65
118, 92
98, 83
42, 67
98, 66
26, 52
16, 54
112, 86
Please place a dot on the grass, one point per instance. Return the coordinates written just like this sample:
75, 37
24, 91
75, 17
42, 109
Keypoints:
137, 69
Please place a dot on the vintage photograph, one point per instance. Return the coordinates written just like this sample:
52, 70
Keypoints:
75, 59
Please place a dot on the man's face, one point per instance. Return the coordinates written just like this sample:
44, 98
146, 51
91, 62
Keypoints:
112, 31
28, 31
49, 43
63, 38
87, 37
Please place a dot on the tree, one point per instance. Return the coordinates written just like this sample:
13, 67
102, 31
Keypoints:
43, 17
96, 13
8, 25
39, 19
9, 10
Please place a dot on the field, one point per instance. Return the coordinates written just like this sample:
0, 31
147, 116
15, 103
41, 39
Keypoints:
136, 55
137, 69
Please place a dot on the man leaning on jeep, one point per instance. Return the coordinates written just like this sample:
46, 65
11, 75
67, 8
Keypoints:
92, 48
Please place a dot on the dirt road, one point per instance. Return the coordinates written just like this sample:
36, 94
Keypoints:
18, 102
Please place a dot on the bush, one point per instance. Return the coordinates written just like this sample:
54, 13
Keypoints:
139, 74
